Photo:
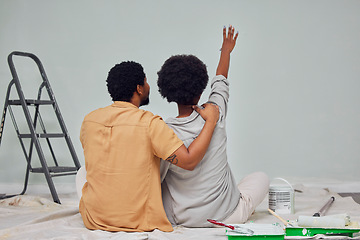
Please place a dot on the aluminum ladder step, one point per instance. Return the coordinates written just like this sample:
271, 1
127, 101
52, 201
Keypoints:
56, 171
30, 102
43, 135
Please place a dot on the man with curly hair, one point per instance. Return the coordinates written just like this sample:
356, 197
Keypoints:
209, 191
123, 146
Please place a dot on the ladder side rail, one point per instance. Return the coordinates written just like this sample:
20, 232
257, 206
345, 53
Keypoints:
5, 108
2, 123
35, 122
27, 157
29, 122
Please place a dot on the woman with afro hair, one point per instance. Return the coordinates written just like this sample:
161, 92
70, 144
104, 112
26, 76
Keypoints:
209, 191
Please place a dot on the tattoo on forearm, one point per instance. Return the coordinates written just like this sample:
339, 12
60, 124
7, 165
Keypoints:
172, 159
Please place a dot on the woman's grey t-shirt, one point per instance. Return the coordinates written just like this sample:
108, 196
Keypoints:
209, 191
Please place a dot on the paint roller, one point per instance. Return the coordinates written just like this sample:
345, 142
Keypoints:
318, 220
333, 221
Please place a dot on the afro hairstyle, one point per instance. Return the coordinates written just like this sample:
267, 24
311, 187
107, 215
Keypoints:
182, 79
123, 79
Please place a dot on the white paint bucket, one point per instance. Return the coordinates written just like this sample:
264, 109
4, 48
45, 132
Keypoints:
282, 198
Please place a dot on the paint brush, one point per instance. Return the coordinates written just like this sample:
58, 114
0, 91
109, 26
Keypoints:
286, 223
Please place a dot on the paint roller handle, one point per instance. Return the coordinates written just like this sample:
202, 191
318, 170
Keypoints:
325, 207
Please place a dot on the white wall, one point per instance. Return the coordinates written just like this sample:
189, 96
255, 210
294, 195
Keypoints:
295, 103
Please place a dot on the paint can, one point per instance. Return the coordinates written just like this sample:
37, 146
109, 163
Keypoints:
282, 198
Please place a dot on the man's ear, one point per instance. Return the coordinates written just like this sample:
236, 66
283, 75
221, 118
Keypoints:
139, 89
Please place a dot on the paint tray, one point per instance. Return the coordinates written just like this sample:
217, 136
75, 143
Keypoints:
312, 231
261, 231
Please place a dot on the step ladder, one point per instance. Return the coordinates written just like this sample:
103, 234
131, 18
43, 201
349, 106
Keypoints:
36, 134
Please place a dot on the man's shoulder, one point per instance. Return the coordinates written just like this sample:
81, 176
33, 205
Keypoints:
146, 115
117, 116
95, 113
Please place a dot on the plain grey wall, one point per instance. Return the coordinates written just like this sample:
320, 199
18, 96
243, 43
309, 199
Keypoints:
295, 103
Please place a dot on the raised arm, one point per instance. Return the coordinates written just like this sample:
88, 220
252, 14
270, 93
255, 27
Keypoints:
188, 158
229, 41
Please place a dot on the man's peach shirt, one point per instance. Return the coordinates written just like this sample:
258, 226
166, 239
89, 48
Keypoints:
123, 146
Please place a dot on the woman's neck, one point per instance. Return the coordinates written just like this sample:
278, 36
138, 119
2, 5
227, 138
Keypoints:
184, 110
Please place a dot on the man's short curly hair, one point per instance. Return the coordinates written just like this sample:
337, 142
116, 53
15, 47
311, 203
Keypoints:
182, 79
123, 79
